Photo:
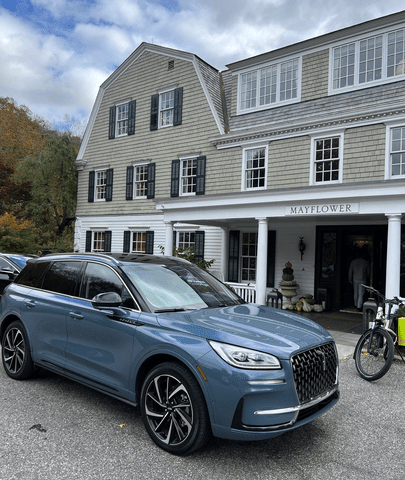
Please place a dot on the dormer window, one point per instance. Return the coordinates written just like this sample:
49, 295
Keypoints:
269, 86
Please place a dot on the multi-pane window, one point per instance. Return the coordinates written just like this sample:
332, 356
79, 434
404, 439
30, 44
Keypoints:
255, 171
98, 241
370, 64
374, 59
395, 53
249, 256
138, 242
100, 184
269, 85
141, 180
397, 151
186, 240
343, 66
248, 87
166, 108
122, 119
327, 159
188, 177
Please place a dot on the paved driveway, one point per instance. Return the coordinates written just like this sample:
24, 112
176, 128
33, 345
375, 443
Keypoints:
54, 429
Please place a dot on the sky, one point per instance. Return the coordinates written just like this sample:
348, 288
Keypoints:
55, 54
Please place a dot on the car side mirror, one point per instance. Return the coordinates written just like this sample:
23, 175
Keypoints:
107, 299
8, 271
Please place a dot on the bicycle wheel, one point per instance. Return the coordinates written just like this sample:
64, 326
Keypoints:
374, 362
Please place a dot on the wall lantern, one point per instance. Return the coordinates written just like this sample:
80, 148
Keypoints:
301, 246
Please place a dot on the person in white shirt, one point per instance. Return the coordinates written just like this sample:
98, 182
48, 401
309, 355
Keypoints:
358, 274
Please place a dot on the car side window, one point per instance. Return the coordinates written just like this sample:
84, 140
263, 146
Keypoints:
31, 275
62, 277
101, 279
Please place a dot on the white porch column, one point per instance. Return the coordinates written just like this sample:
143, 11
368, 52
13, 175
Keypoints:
169, 239
261, 263
224, 253
393, 255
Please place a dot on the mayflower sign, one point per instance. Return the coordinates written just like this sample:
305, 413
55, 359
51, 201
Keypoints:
323, 209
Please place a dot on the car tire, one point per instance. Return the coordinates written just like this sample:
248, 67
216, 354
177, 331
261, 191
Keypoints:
173, 409
16, 352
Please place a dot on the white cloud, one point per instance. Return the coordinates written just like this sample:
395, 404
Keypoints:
55, 59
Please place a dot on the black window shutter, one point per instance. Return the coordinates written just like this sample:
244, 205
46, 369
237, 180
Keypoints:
175, 179
92, 176
89, 235
174, 239
129, 191
109, 185
149, 242
131, 117
200, 178
150, 187
178, 106
107, 241
127, 241
199, 246
233, 261
111, 124
271, 257
154, 112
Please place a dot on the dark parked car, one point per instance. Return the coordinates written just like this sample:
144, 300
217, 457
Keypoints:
11, 265
162, 334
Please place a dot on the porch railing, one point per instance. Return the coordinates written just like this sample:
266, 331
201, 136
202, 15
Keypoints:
247, 292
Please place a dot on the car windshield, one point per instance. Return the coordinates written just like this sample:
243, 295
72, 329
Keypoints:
179, 287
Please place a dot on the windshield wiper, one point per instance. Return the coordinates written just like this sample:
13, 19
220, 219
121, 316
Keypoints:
174, 309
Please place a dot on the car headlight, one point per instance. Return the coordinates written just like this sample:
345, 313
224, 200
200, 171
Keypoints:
241, 357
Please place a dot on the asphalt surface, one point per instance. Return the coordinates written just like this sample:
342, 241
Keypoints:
52, 428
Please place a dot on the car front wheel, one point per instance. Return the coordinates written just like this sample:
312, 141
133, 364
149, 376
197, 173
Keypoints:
16, 353
174, 409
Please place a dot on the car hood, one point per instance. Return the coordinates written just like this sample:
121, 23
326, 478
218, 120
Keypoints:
252, 326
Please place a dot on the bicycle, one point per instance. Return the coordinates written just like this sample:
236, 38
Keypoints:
374, 352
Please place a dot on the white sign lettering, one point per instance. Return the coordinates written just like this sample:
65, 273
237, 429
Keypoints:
325, 209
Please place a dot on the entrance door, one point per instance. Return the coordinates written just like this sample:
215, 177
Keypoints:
336, 248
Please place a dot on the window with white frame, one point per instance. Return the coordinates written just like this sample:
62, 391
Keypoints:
100, 185
254, 168
140, 180
138, 244
166, 108
375, 59
98, 241
188, 176
269, 86
397, 152
185, 240
327, 159
122, 119
248, 256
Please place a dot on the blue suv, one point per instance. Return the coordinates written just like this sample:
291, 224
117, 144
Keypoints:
160, 333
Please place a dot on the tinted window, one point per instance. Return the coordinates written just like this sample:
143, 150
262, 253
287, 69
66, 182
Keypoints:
62, 277
32, 274
5, 264
100, 279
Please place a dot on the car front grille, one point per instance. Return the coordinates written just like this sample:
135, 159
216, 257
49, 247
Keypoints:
315, 371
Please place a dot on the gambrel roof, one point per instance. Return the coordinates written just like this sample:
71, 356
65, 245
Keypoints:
209, 78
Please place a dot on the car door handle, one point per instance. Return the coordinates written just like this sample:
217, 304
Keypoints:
29, 303
78, 316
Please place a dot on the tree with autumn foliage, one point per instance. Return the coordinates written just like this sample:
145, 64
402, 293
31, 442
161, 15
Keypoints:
52, 176
16, 235
20, 136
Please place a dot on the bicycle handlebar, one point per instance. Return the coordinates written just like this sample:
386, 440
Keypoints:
393, 301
